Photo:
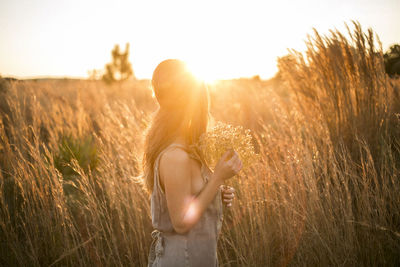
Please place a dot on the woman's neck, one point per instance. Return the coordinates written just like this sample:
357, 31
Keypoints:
180, 140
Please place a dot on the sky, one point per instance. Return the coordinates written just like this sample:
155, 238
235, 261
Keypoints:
218, 39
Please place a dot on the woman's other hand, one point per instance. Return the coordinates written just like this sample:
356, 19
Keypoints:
228, 166
228, 194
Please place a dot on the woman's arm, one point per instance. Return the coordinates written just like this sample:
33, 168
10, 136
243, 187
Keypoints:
184, 208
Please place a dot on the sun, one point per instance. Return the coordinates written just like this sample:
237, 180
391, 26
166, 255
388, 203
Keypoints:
202, 72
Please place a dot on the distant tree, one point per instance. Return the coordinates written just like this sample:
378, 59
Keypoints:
392, 60
95, 74
120, 68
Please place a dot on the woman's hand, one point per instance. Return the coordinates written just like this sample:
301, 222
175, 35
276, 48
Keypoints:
228, 194
228, 166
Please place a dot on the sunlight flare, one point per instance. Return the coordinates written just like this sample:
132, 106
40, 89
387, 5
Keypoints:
203, 72
191, 213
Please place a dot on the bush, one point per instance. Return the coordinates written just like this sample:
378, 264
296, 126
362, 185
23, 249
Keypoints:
84, 152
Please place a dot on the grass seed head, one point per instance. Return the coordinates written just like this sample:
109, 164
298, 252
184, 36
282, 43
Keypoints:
214, 143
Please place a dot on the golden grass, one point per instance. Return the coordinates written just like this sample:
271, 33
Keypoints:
325, 193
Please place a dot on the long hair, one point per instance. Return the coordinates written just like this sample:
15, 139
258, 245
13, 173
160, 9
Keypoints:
183, 110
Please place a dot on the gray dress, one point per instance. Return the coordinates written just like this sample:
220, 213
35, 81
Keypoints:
197, 247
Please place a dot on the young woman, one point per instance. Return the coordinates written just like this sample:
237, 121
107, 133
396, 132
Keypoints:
186, 196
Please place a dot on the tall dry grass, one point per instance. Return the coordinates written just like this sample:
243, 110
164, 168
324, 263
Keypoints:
325, 193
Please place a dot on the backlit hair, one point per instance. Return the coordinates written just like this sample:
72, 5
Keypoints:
183, 109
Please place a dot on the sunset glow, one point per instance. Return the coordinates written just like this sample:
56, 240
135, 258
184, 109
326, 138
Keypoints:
219, 39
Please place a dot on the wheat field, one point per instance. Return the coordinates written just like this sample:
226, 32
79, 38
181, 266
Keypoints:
326, 191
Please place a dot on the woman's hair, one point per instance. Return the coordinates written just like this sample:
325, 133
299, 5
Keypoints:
183, 110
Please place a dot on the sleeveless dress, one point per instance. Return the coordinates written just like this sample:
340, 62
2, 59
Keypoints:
195, 248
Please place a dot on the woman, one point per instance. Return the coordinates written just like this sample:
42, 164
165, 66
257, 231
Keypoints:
186, 205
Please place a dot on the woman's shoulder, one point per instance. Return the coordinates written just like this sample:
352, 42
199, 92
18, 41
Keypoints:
175, 155
175, 163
